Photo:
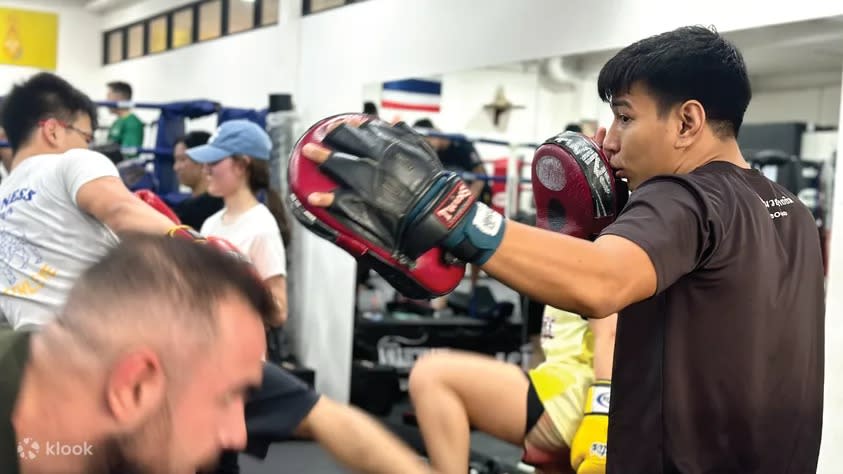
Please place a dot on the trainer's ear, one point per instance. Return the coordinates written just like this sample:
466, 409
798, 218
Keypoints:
690, 120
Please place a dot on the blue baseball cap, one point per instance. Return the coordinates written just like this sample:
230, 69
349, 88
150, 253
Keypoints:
235, 137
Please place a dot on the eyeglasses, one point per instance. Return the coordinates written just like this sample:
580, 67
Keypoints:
88, 136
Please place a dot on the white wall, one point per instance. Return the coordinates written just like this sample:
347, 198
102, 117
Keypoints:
548, 108
239, 70
465, 93
397, 49
818, 105
831, 456
218, 70
79, 49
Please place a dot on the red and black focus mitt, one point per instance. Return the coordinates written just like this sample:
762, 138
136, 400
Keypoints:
574, 186
395, 207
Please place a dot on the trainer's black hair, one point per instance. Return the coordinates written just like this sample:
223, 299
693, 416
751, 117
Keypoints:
688, 63
41, 97
122, 88
194, 139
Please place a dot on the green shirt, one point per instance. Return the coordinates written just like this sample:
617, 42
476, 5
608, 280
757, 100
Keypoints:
126, 131
14, 353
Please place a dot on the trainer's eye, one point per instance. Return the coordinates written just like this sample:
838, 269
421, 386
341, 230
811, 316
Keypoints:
624, 118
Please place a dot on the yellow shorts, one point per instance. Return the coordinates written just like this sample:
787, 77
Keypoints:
561, 388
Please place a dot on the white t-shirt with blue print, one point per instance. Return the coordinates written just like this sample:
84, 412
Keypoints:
46, 241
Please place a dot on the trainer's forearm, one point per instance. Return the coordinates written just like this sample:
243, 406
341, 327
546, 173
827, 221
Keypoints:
562, 271
135, 216
362, 445
477, 188
604, 345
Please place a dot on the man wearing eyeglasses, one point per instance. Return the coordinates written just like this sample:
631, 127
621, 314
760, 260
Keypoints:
61, 210
49, 126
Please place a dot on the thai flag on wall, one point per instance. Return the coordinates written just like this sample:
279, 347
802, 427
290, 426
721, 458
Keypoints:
412, 94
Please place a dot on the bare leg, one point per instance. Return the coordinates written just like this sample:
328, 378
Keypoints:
454, 390
545, 437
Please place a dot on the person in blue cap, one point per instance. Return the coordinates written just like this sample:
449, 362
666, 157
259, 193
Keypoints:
236, 163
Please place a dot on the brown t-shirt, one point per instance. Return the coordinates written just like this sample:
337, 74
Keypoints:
721, 371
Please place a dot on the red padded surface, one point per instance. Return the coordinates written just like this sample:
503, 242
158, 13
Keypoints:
305, 178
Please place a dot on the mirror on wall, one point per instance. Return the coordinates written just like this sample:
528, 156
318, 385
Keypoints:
487, 122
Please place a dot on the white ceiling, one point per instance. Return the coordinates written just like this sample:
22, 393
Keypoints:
794, 55
810, 46
104, 6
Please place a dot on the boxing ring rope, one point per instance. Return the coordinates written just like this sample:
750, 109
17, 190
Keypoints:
131, 150
127, 104
165, 130
513, 179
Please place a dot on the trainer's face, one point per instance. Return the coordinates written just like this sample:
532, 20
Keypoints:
639, 143
188, 171
200, 419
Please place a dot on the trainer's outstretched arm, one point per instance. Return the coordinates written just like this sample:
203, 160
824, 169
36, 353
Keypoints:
595, 279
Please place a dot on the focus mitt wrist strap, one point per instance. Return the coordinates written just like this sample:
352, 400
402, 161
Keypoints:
478, 236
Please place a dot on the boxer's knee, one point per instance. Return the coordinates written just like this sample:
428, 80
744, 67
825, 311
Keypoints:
429, 371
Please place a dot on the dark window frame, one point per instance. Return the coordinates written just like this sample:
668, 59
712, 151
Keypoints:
257, 24
307, 9
106, 44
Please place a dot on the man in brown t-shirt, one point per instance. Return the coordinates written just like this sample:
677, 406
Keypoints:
715, 270
720, 369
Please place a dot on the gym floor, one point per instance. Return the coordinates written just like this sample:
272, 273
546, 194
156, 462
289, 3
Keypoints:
307, 457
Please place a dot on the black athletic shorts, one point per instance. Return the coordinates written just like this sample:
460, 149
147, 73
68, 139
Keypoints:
535, 316
535, 408
273, 412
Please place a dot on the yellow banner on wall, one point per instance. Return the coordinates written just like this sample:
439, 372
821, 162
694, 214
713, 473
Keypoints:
28, 38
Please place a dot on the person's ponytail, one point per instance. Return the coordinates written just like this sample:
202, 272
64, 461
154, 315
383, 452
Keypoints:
259, 184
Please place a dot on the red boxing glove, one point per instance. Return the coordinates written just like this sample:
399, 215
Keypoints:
218, 243
186, 232
230, 249
225, 246
156, 203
